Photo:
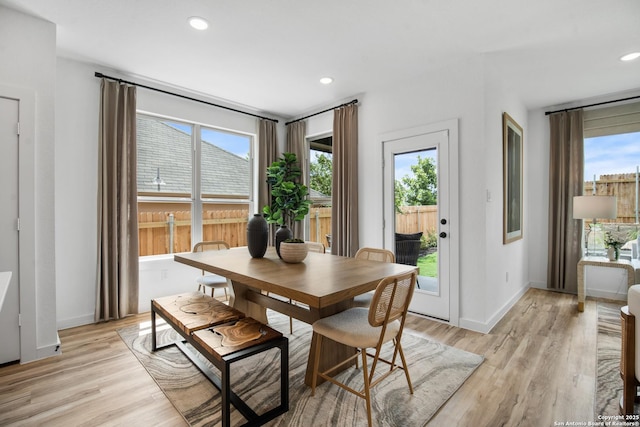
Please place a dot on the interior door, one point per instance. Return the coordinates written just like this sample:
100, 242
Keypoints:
9, 329
409, 210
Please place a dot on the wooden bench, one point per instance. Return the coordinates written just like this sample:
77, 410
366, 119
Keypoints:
223, 335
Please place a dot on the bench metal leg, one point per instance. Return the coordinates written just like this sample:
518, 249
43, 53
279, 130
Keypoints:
153, 329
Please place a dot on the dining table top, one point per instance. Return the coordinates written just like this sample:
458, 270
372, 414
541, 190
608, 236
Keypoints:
320, 280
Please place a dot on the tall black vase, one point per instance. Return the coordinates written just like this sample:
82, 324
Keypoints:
282, 234
257, 236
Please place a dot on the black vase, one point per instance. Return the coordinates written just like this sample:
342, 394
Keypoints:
282, 234
257, 236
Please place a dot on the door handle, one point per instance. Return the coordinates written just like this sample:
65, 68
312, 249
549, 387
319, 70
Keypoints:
443, 234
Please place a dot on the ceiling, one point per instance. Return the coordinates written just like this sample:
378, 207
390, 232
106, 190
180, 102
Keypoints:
269, 55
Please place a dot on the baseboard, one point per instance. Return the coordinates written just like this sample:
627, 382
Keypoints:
486, 327
538, 285
616, 296
75, 321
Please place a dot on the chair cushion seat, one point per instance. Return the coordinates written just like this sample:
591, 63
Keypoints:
212, 280
363, 300
351, 327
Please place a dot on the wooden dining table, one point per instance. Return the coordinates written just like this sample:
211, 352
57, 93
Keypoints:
320, 286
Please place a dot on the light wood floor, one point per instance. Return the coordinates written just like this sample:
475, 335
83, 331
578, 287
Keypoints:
539, 368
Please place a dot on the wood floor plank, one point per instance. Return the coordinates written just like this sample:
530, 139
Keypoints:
540, 364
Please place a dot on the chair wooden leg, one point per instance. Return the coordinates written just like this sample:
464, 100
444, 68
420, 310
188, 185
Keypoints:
367, 391
405, 366
316, 361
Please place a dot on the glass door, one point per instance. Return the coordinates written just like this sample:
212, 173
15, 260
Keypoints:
416, 180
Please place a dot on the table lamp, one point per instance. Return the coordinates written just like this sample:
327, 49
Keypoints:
593, 207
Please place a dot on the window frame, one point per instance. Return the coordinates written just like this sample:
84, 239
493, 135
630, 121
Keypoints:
196, 199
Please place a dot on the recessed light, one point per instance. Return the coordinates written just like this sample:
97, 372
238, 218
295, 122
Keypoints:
630, 56
198, 23
326, 80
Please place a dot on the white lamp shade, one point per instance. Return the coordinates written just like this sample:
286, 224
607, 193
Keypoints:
593, 207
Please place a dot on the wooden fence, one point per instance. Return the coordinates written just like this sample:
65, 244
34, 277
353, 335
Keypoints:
413, 219
158, 231
319, 225
623, 186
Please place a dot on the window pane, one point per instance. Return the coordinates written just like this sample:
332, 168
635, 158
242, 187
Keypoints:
226, 222
164, 228
225, 164
320, 182
610, 166
164, 157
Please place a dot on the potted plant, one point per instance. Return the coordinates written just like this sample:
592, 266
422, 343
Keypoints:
289, 201
293, 250
613, 241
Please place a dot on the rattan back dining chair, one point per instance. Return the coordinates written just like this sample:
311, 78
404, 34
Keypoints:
208, 280
315, 247
363, 328
373, 254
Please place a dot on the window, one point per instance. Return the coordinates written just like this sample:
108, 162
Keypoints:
194, 184
611, 162
320, 183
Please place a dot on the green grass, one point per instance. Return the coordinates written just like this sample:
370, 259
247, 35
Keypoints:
429, 265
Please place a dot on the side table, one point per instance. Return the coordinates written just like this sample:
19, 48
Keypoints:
601, 262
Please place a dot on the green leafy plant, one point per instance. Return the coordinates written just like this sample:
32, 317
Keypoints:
430, 240
289, 202
293, 241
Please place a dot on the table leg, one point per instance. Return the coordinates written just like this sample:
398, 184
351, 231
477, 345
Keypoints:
332, 352
238, 300
581, 292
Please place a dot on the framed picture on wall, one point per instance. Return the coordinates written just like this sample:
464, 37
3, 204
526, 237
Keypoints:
512, 179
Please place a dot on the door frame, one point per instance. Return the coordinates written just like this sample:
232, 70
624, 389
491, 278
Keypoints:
451, 127
26, 275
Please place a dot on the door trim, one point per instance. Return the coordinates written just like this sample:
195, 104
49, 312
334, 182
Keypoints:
26, 275
451, 126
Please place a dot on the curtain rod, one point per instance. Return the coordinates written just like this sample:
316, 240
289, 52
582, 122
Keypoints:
100, 75
355, 101
591, 105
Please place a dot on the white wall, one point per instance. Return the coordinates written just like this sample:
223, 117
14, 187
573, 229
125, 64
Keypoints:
537, 196
77, 100
454, 92
506, 277
28, 47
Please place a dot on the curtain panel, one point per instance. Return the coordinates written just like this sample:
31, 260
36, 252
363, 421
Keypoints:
566, 179
344, 210
267, 154
117, 288
297, 143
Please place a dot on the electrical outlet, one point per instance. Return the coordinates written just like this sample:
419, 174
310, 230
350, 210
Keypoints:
507, 277
164, 274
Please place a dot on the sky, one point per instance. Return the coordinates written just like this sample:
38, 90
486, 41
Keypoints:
611, 154
403, 162
233, 143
